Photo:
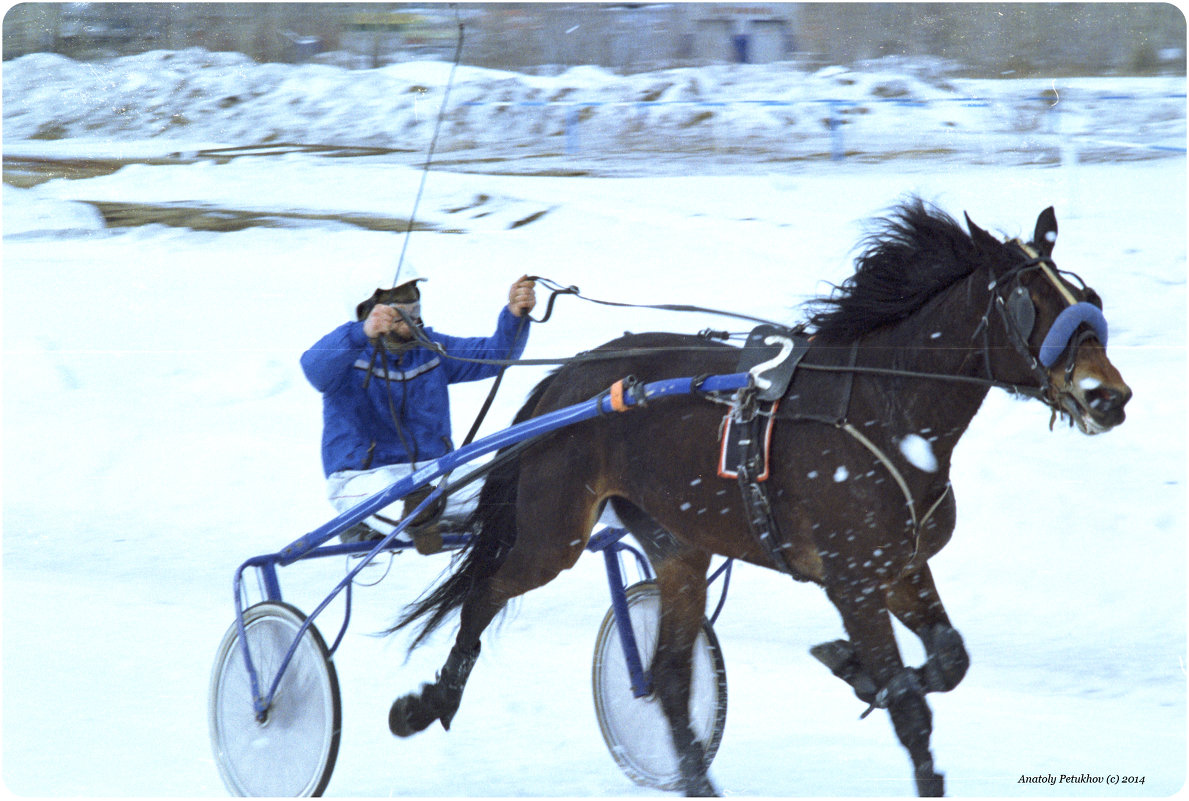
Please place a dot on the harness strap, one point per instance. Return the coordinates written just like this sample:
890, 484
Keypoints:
762, 523
1043, 263
917, 523
933, 507
895, 471
749, 474
741, 437
1018, 341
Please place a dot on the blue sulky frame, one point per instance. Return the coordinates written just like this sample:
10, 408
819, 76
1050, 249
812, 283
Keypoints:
626, 394
609, 542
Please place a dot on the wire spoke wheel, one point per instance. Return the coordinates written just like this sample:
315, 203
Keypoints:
292, 750
636, 730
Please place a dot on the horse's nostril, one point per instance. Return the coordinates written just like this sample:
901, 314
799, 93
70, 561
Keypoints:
1105, 399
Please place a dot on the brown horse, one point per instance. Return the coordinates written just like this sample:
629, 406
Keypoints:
901, 357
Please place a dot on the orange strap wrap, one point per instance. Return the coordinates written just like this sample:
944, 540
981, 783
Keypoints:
617, 403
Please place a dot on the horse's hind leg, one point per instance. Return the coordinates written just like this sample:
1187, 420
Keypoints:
545, 544
681, 580
440, 699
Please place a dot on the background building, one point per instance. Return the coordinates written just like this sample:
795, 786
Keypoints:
983, 39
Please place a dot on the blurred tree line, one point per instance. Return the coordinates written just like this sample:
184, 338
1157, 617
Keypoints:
981, 39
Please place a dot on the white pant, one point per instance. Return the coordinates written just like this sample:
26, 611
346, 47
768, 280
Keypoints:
349, 488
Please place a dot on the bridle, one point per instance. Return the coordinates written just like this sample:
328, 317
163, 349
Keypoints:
1013, 303
1076, 323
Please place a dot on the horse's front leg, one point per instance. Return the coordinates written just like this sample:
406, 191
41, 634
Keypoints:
914, 600
915, 603
897, 689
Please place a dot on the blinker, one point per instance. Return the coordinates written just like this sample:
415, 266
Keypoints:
1065, 325
1021, 311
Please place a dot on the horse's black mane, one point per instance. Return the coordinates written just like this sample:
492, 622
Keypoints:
912, 254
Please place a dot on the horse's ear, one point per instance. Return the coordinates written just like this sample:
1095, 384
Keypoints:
984, 241
1046, 232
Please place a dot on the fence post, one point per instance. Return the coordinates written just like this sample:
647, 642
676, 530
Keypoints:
572, 129
837, 149
1066, 150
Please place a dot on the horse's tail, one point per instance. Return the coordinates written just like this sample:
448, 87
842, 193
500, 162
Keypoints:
492, 526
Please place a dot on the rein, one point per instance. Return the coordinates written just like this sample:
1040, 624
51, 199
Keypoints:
992, 383
557, 289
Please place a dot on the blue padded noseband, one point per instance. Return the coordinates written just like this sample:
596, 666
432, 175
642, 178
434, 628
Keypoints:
1066, 324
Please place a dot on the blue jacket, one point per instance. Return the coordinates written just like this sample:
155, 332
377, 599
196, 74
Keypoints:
358, 432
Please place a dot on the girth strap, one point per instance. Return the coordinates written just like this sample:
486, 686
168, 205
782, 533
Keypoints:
762, 523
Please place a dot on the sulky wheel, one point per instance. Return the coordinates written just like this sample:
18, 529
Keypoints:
635, 729
291, 752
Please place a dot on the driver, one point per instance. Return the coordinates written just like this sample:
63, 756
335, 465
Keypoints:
385, 404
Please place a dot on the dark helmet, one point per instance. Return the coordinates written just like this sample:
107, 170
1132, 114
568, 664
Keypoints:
404, 291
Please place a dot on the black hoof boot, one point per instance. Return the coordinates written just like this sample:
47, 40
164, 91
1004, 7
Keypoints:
438, 701
930, 784
414, 712
840, 657
947, 662
701, 788
694, 771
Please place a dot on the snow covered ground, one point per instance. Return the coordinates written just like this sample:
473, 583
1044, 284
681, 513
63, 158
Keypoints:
157, 430
751, 114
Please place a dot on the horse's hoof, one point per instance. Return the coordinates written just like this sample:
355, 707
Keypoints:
702, 788
948, 660
931, 785
410, 714
833, 654
840, 657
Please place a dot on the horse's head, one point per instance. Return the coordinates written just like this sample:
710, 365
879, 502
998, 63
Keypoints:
1055, 330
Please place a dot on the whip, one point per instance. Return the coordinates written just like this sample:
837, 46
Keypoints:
433, 143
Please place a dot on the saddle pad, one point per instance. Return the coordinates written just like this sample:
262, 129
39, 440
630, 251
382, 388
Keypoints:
735, 438
771, 355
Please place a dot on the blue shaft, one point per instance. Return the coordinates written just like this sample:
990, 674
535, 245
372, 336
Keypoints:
537, 426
